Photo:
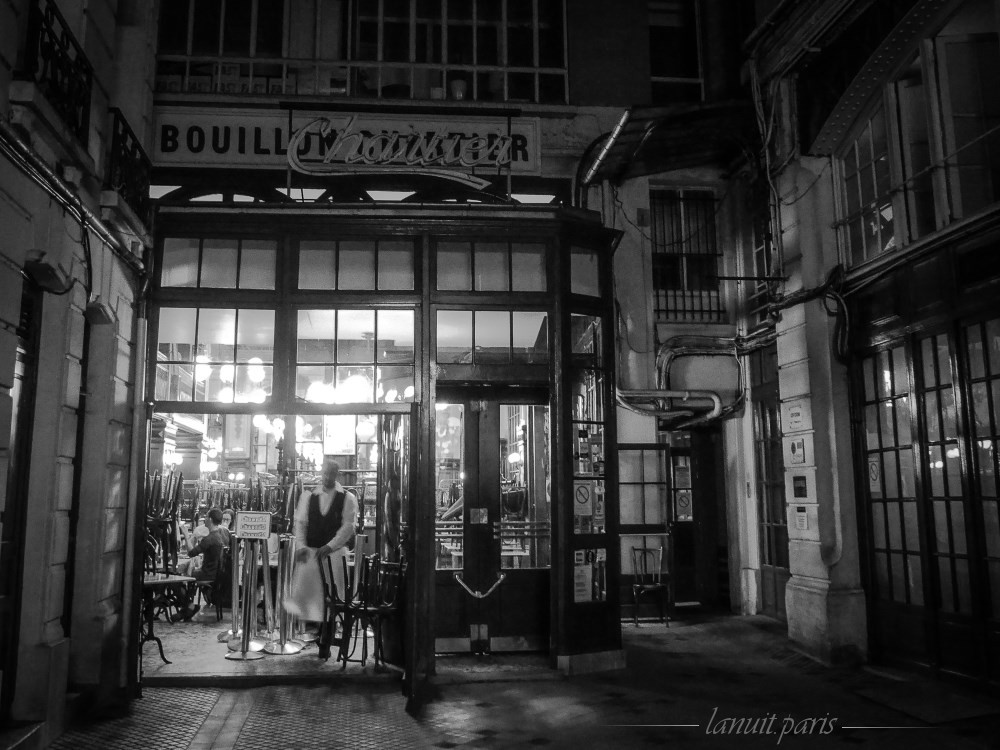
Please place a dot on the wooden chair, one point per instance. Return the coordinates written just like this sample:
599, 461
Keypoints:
386, 602
649, 579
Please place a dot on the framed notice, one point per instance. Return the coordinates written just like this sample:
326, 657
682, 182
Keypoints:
253, 524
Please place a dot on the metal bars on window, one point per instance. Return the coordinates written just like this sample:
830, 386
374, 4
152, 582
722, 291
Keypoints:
685, 256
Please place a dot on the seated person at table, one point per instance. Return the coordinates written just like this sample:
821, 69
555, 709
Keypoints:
227, 519
210, 547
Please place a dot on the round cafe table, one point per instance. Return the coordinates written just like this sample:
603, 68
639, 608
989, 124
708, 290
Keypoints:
151, 584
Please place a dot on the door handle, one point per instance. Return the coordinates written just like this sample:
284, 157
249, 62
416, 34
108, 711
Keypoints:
479, 594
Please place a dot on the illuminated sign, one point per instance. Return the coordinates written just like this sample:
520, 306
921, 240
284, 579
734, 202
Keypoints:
462, 150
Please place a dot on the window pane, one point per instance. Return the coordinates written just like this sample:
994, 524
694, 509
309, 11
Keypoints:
317, 265
216, 334
315, 384
583, 272
176, 333
180, 262
393, 384
205, 28
355, 385
236, 40
173, 383
531, 338
395, 264
218, 264
253, 384
270, 27
454, 336
492, 337
528, 267
454, 266
356, 336
255, 335
257, 259
491, 267
357, 265
585, 339
395, 336
316, 331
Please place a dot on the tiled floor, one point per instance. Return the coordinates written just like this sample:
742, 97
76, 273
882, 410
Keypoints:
716, 683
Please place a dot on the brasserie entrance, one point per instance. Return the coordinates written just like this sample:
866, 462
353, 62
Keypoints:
460, 371
493, 523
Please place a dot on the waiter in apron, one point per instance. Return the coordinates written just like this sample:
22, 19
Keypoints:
324, 526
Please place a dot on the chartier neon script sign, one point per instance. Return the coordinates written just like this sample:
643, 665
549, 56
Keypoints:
348, 148
458, 150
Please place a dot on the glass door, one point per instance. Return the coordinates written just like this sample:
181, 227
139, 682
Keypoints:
493, 526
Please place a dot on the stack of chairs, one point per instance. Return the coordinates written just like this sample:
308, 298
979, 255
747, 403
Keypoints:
372, 596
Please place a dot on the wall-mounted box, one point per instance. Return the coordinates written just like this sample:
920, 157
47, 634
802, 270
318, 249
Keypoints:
796, 415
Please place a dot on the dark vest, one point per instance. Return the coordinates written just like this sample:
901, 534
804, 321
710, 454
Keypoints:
321, 529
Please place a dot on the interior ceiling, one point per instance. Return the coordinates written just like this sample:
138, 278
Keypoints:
650, 140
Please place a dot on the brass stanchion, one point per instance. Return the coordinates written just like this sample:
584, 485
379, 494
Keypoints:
284, 644
248, 608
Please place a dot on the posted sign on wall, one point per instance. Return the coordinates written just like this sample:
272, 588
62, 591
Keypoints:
346, 143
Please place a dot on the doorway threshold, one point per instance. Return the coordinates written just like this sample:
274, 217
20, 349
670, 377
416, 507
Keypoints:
500, 667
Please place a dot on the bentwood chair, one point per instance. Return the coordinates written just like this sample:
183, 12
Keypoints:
649, 579
386, 603
335, 630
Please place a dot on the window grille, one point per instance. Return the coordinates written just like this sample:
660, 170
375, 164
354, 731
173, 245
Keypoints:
685, 256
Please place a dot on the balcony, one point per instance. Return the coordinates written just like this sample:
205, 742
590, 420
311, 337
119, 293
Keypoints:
128, 168
54, 62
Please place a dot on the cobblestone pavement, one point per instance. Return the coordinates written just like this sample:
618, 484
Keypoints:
719, 683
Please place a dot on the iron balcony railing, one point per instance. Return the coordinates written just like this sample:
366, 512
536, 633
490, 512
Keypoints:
56, 63
128, 167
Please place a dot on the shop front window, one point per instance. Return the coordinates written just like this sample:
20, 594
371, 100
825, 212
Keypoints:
214, 354
492, 337
491, 266
356, 265
355, 356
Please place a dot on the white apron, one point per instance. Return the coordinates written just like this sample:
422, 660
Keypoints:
305, 600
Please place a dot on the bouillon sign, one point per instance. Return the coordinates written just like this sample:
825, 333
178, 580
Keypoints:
340, 144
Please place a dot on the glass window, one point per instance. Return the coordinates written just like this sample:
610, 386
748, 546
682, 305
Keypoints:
972, 118
219, 263
584, 276
870, 222
317, 264
356, 265
395, 264
674, 63
491, 259
395, 336
528, 268
337, 351
454, 266
229, 357
685, 255
454, 336
180, 262
492, 337
530, 338
257, 261
355, 336
585, 340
